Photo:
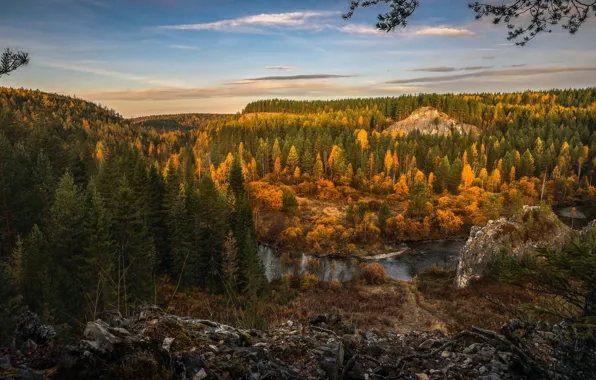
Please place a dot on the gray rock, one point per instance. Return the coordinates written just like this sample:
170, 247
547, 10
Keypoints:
99, 338
167, 343
428, 344
200, 375
486, 244
5, 362
490, 376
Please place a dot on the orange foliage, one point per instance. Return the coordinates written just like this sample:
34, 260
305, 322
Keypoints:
266, 195
373, 274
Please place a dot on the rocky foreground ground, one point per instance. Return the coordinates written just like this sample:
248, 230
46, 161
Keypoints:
156, 345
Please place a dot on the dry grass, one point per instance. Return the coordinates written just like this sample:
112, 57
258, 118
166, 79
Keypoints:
484, 304
364, 306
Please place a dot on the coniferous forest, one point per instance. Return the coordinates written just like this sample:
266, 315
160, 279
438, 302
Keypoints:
98, 212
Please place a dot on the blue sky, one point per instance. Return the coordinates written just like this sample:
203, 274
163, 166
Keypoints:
168, 56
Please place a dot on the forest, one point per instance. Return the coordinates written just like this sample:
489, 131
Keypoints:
99, 211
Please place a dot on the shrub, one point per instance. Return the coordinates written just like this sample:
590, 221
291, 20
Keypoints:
373, 274
308, 281
313, 265
335, 286
289, 203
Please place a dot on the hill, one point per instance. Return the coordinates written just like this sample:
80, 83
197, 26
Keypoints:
177, 121
430, 121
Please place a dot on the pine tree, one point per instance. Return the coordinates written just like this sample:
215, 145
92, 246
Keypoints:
293, 159
180, 241
383, 215
251, 275
98, 269
157, 218
67, 249
135, 250
212, 232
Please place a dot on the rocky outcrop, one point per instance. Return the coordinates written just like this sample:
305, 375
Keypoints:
535, 227
430, 121
157, 345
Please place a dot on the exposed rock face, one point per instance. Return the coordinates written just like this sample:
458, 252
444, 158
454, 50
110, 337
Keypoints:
536, 227
430, 121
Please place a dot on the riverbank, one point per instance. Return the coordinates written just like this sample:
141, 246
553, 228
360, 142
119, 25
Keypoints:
400, 265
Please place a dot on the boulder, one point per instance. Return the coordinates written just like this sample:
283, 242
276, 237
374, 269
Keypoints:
535, 227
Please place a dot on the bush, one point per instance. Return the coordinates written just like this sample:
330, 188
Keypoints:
308, 281
373, 274
289, 203
335, 286
313, 265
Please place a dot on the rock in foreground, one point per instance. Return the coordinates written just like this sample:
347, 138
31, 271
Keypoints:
156, 345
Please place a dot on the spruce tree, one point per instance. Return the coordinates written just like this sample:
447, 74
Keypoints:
66, 246
135, 250
180, 241
98, 272
251, 274
212, 232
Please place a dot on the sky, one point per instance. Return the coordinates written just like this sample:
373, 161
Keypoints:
146, 57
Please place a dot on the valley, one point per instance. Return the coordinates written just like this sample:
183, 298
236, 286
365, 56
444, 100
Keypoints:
405, 214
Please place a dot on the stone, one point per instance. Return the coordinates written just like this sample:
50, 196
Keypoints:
422, 376
369, 335
167, 343
99, 338
486, 244
428, 344
200, 375
5, 362
490, 376
30, 327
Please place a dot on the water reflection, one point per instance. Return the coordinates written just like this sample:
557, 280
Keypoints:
421, 256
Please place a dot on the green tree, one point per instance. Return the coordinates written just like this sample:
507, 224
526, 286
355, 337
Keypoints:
67, 250
212, 232
418, 200
98, 269
135, 250
383, 215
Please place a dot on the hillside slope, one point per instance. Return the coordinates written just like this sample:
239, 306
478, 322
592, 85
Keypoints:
430, 121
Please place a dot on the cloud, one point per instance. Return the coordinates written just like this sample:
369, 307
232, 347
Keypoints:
295, 20
294, 77
258, 89
360, 29
444, 31
518, 65
311, 20
493, 73
487, 49
488, 57
110, 73
445, 69
288, 68
184, 47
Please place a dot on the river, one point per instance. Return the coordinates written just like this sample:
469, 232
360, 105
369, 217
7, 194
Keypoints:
415, 258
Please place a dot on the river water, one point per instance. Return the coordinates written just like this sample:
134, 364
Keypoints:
416, 258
